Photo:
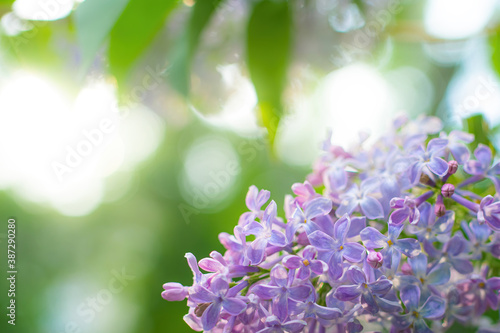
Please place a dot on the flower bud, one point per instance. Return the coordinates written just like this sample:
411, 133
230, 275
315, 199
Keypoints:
375, 259
439, 209
452, 167
447, 190
174, 291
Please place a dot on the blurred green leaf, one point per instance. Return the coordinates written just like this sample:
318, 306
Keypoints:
268, 55
495, 51
94, 20
134, 31
185, 49
478, 126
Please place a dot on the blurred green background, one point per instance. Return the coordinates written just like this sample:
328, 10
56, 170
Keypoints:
130, 130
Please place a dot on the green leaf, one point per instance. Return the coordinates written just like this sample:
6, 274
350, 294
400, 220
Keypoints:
182, 55
495, 51
133, 32
478, 126
268, 55
94, 20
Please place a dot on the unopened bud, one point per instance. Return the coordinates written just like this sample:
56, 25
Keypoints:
439, 209
447, 190
174, 291
452, 167
375, 259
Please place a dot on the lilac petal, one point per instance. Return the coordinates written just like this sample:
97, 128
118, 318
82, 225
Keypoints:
439, 274
299, 293
174, 292
193, 264
318, 207
418, 265
210, 316
436, 145
233, 305
251, 197
266, 292
318, 267
337, 178
262, 198
493, 283
256, 251
356, 275
380, 287
369, 303
463, 266
372, 238
280, 306
483, 154
399, 215
347, 205
410, 295
433, 308
279, 275
416, 172
409, 247
353, 252
335, 269
460, 153
253, 228
492, 299
438, 166
473, 167
493, 221
294, 326
321, 240
388, 305
426, 212
341, 227
309, 252
397, 203
327, 313
481, 231
219, 286
277, 238
456, 245
403, 321
394, 231
292, 262
202, 295
358, 223
347, 293
462, 136
303, 273
270, 214
210, 265
419, 326
371, 208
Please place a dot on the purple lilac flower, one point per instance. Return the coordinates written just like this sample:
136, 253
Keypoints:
455, 251
281, 291
478, 235
433, 308
335, 249
392, 246
264, 234
215, 300
254, 200
305, 264
427, 278
432, 229
428, 160
489, 212
310, 272
480, 167
314, 209
360, 197
456, 145
361, 288
480, 292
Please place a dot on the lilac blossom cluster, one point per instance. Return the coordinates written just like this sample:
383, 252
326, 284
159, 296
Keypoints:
394, 236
